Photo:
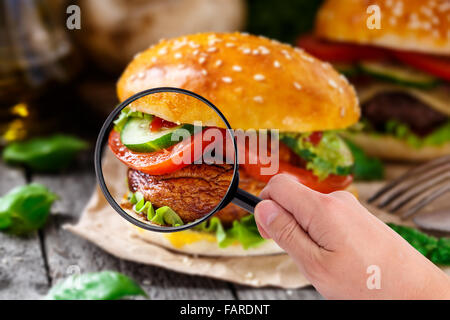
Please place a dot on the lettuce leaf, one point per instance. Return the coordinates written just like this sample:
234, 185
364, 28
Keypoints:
243, 231
330, 156
126, 113
402, 131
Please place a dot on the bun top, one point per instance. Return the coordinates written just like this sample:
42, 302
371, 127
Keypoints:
415, 25
256, 82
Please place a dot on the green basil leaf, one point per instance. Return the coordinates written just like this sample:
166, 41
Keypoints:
47, 154
365, 167
106, 285
25, 209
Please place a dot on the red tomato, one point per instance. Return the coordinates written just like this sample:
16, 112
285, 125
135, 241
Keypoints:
435, 65
158, 123
304, 176
340, 52
162, 161
315, 137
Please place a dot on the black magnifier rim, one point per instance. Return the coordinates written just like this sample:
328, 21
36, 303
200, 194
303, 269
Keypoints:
103, 137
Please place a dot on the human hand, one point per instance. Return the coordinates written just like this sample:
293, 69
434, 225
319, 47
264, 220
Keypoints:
333, 240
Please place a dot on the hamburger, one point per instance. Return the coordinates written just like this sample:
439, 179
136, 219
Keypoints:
401, 72
256, 83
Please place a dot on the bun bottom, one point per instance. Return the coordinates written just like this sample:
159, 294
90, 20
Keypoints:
203, 244
391, 148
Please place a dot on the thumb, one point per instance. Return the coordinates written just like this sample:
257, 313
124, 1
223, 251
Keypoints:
278, 224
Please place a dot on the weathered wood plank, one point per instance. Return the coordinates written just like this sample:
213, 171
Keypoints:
67, 253
22, 269
245, 293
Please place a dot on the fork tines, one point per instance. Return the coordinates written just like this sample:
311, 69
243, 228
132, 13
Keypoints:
419, 186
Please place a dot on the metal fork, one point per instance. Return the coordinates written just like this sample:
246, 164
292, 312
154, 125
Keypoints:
419, 186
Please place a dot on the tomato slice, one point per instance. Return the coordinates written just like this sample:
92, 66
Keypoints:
315, 137
435, 65
162, 161
158, 123
304, 176
340, 52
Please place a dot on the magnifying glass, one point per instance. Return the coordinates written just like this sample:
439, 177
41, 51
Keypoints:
179, 156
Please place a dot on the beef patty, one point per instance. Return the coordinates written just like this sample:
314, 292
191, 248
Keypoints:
403, 108
191, 192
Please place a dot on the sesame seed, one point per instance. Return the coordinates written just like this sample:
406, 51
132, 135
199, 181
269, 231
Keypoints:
307, 58
286, 54
218, 63
344, 78
342, 112
154, 59
332, 83
141, 75
133, 77
297, 85
178, 55
193, 45
259, 77
258, 99
227, 79
204, 72
136, 55
264, 50
246, 51
214, 41
237, 68
276, 64
255, 52
162, 51
229, 45
211, 49
201, 60
195, 52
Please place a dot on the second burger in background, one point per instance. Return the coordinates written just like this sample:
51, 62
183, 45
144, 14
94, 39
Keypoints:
257, 83
401, 72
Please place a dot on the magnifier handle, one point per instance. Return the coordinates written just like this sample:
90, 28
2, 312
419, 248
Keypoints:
246, 200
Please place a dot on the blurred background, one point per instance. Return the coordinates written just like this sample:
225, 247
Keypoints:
50, 70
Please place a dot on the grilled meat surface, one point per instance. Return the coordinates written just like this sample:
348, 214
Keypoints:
403, 108
191, 192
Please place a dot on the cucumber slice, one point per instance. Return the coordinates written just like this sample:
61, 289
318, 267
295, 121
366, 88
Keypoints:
399, 74
136, 135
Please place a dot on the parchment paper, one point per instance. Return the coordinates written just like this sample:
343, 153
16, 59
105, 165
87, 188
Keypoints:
101, 225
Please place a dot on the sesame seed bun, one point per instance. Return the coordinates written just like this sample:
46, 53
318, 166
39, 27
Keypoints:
415, 25
256, 82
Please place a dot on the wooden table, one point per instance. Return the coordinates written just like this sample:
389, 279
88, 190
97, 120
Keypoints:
30, 266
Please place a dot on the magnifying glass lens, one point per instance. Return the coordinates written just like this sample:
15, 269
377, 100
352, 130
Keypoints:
170, 161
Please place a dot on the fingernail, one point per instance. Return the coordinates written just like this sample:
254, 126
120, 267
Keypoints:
267, 212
